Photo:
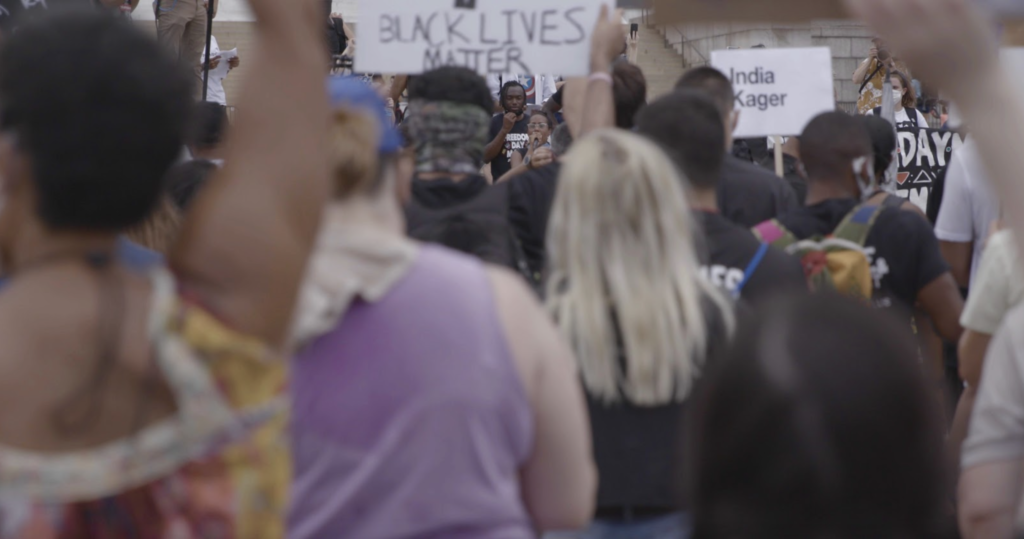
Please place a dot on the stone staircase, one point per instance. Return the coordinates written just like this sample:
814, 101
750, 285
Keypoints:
661, 64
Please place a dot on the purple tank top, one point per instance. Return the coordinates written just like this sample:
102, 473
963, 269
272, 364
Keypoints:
410, 419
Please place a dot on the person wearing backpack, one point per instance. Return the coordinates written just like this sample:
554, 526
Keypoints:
688, 127
452, 204
877, 253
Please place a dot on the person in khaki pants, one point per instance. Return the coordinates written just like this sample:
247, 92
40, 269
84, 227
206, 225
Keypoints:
181, 25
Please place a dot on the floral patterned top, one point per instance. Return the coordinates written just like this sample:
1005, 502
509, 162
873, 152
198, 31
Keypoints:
218, 469
871, 97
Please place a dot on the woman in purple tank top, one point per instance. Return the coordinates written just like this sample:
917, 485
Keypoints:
432, 396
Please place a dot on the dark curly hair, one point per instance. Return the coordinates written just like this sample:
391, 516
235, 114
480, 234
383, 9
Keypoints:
101, 109
505, 88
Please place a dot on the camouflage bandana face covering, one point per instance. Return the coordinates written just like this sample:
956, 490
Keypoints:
448, 137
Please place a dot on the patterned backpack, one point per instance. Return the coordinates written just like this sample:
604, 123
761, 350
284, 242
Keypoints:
835, 262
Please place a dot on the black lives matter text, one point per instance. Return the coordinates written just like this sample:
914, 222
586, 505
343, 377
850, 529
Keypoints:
484, 42
751, 100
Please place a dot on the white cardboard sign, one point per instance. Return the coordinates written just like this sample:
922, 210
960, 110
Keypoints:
487, 36
778, 91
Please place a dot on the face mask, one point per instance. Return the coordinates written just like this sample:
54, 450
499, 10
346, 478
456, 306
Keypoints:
897, 96
865, 176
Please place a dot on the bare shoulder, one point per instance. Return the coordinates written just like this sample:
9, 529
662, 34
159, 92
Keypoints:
532, 338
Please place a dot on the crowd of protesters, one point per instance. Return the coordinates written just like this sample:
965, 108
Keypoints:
445, 307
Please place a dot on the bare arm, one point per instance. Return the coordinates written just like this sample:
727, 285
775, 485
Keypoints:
972, 349
862, 71
988, 499
493, 148
605, 46
942, 302
959, 257
541, 158
559, 480
243, 249
349, 32
398, 86
517, 159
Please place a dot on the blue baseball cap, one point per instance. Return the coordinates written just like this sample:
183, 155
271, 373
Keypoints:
350, 92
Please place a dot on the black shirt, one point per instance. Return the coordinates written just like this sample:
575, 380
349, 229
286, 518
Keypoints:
530, 198
444, 193
637, 448
516, 139
901, 248
336, 35
749, 195
728, 251
793, 177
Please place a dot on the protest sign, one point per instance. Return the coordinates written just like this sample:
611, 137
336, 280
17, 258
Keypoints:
924, 155
778, 91
487, 36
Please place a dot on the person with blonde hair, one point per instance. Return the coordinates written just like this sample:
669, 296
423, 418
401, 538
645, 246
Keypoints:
431, 395
625, 288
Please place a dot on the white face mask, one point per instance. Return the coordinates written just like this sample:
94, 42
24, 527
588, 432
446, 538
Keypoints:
897, 97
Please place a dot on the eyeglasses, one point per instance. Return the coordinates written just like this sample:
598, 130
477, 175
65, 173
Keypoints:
537, 126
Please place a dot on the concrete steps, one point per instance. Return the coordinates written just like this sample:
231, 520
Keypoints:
662, 66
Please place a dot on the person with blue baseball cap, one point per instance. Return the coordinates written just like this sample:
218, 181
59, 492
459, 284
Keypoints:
431, 395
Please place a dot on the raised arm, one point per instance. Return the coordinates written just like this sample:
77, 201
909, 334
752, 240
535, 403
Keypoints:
605, 47
493, 148
243, 249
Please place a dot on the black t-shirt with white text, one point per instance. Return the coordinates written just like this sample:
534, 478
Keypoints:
728, 252
515, 140
901, 248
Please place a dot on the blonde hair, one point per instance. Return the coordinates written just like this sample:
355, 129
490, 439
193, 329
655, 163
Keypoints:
355, 159
160, 230
625, 279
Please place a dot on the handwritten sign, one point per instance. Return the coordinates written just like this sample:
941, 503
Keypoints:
492, 37
778, 91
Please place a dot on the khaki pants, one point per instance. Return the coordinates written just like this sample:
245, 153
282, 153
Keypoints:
181, 26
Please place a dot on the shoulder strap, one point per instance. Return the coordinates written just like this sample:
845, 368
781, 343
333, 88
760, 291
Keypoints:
868, 80
751, 268
893, 201
857, 224
773, 233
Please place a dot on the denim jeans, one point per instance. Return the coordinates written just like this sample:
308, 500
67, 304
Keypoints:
672, 526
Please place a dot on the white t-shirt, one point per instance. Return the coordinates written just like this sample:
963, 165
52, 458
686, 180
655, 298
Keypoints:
997, 286
215, 90
997, 423
902, 118
969, 207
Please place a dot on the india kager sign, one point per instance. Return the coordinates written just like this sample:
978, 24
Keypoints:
778, 91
